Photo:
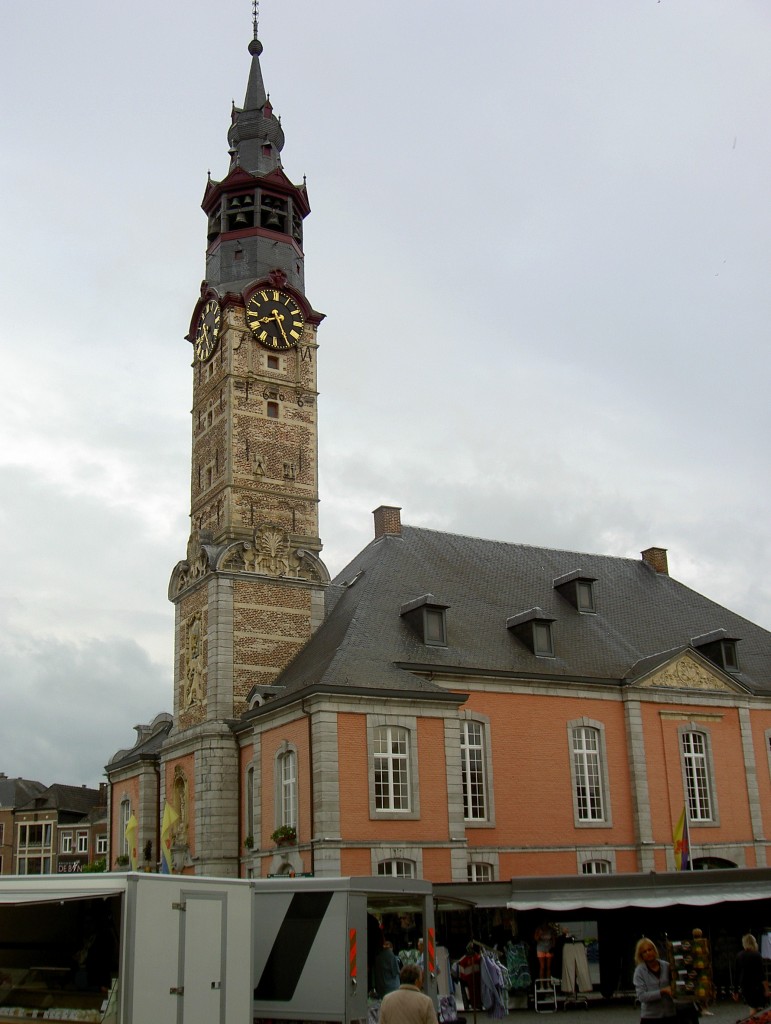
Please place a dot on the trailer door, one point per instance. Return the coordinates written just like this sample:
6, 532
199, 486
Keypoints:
202, 958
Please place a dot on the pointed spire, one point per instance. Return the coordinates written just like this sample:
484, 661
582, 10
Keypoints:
256, 138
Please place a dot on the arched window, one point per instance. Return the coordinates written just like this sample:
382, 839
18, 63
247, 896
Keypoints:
479, 872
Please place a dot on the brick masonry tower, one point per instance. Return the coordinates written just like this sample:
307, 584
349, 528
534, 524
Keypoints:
249, 593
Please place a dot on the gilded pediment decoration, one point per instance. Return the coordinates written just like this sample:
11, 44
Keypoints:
686, 673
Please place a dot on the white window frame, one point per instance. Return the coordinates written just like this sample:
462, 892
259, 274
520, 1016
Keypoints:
473, 766
698, 774
101, 844
249, 797
397, 868
123, 820
405, 727
480, 871
584, 759
286, 807
596, 867
65, 842
82, 841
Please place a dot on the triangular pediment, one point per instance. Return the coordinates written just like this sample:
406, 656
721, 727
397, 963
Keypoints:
688, 671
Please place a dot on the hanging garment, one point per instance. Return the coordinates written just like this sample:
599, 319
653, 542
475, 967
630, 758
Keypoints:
468, 974
493, 988
575, 969
518, 966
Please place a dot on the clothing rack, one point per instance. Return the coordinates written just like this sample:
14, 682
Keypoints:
474, 944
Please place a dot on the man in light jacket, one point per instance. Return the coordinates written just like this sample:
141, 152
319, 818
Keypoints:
408, 1005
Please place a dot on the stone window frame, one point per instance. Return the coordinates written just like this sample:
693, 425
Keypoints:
410, 724
606, 821
698, 728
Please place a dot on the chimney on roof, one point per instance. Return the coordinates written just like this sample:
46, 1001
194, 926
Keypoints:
388, 521
656, 558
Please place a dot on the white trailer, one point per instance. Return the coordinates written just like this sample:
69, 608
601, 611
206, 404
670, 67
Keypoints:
175, 949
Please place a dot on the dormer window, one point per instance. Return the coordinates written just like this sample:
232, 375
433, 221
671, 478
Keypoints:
534, 629
578, 588
720, 648
428, 618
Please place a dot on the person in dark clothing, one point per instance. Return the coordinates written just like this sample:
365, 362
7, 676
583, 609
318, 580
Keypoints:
751, 975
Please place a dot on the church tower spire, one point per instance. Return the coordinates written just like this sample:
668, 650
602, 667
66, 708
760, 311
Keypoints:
250, 591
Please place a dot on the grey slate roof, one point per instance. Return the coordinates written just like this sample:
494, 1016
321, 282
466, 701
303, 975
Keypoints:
364, 643
77, 800
17, 792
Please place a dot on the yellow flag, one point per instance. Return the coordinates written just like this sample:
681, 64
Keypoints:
132, 827
170, 816
682, 843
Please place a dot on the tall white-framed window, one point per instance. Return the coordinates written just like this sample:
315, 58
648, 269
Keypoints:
82, 840
392, 753
249, 797
65, 842
397, 868
697, 773
392, 768
123, 820
101, 844
287, 774
472, 766
586, 765
589, 773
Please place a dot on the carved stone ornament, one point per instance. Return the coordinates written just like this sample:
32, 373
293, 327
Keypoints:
194, 691
270, 553
190, 571
685, 673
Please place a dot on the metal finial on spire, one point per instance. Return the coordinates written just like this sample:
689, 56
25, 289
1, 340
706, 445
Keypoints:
255, 46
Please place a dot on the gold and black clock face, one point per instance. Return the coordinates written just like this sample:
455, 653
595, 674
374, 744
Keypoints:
207, 330
274, 318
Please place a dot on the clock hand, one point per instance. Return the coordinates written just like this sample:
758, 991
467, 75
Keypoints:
278, 318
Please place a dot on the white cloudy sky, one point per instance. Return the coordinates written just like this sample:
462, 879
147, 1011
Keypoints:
541, 234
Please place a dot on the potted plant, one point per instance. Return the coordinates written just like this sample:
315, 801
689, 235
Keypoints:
284, 835
122, 860
249, 842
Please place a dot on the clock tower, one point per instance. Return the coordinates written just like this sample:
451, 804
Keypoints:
250, 591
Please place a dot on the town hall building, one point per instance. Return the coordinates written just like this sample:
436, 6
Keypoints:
447, 707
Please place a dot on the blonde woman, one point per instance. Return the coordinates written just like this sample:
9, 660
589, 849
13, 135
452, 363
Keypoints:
652, 983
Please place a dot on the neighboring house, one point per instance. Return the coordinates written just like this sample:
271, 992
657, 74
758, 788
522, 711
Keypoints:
61, 830
14, 793
447, 707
